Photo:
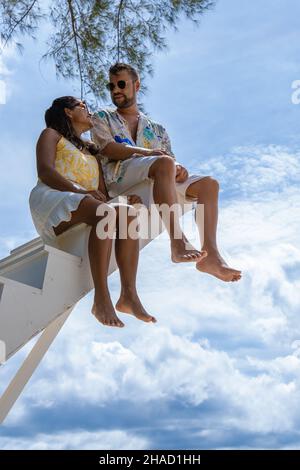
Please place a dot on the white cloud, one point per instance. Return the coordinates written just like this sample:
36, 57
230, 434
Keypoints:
256, 172
77, 439
2, 92
163, 366
6, 53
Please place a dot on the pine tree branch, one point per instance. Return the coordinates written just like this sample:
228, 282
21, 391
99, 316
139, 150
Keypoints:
53, 52
119, 29
87, 35
10, 33
74, 29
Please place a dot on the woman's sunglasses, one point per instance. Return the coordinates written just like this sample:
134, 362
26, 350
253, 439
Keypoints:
120, 84
80, 104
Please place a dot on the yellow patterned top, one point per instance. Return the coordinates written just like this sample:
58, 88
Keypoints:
74, 165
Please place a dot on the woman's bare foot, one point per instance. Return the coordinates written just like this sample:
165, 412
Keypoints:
130, 303
106, 314
215, 265
182, 252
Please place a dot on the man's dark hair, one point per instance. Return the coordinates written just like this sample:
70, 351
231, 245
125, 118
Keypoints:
120, 66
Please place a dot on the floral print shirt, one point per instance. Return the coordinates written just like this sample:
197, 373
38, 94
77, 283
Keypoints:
110, 126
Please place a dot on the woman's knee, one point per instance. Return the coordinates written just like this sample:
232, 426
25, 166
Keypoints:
127, 211
107, 211
96, 210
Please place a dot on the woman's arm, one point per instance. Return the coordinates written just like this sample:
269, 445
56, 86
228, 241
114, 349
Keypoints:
46, 154
102, 185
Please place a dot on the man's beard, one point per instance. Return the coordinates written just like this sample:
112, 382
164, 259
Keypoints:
124, 102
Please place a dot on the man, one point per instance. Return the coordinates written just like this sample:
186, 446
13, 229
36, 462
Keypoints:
136, 148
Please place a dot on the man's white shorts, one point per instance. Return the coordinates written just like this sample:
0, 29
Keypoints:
137, 170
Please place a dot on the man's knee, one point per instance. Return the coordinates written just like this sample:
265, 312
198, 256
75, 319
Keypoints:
210, 183
203, 187
163, 165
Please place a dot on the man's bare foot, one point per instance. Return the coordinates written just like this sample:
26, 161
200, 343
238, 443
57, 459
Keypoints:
182, 251
215, 265
105, 314
130, 303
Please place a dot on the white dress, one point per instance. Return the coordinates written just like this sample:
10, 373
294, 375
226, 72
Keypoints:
49, 207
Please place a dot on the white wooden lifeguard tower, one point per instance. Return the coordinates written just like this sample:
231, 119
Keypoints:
39, 287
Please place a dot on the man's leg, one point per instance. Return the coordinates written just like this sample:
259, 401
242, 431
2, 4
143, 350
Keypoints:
206, 191
162, 171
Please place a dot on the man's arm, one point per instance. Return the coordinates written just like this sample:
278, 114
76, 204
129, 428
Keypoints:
102, 137
116, 151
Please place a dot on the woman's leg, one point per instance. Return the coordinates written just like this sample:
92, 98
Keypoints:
99, 255
127, 256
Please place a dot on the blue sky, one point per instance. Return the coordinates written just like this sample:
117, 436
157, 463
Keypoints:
224, 93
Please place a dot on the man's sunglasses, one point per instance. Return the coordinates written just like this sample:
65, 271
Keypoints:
120, 84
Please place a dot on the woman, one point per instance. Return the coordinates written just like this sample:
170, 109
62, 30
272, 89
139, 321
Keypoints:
69, 190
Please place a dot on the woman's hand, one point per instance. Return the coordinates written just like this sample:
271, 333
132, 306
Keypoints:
97, 195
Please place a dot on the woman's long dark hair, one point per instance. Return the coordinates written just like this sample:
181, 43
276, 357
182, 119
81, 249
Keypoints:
57, 119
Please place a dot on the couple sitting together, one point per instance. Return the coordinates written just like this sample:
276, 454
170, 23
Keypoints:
75, 176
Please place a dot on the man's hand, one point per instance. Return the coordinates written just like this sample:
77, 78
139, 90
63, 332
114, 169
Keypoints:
134, 199
181, 174
150, 152
141, 152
